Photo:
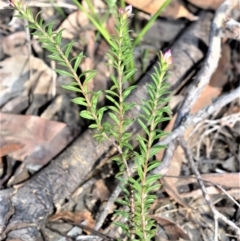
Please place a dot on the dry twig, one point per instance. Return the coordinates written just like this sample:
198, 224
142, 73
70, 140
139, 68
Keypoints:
231, 29
211, 62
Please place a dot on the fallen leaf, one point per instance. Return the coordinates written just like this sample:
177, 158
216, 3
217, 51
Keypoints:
174, 10
76, 217
9, 147
207, 4
73, 25
31, 77
41, 139
174, 231
101, 191
15, 44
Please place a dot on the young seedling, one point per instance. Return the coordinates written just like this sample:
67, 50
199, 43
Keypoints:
138, 190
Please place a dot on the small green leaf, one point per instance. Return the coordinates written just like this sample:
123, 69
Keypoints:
86, 115
128, 91
72, 88
93, 126
143, 126
54, 57
79, 101
153, 187
155, 149
153, 165
78, 61
151, 179
114, 117
113, 108
58, 37
112, 100
100, 113
64, 72
115, 81
112, 93
68, 49
128, 75
49, 27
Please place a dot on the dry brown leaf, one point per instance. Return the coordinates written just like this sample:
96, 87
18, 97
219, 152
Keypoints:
174, 10
228, 180
207, 4
76, 217
174, 231
30, 76
41, 139
73, 25
101, 191
15, 44
9, 147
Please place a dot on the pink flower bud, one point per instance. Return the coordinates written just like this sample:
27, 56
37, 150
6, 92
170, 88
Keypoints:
120, 10
126, 11
168, 57
11, 3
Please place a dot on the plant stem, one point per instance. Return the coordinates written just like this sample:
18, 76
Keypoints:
120, 71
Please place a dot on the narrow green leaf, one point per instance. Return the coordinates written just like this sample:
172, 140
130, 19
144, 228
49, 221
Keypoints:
143, 126
114, 117
86, 115
128, 75
153, 166
112, 93
93, 126
68, 49
113, 108
100, 113
154, 187
115, 81
58, 37
112, 100
155, 149
72, 88
78, 61
80, 101
49, 27
151, 179
64, 72
54, 57
128, 91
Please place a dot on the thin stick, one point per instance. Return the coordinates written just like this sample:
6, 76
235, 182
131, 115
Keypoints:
200, 116
189, 156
